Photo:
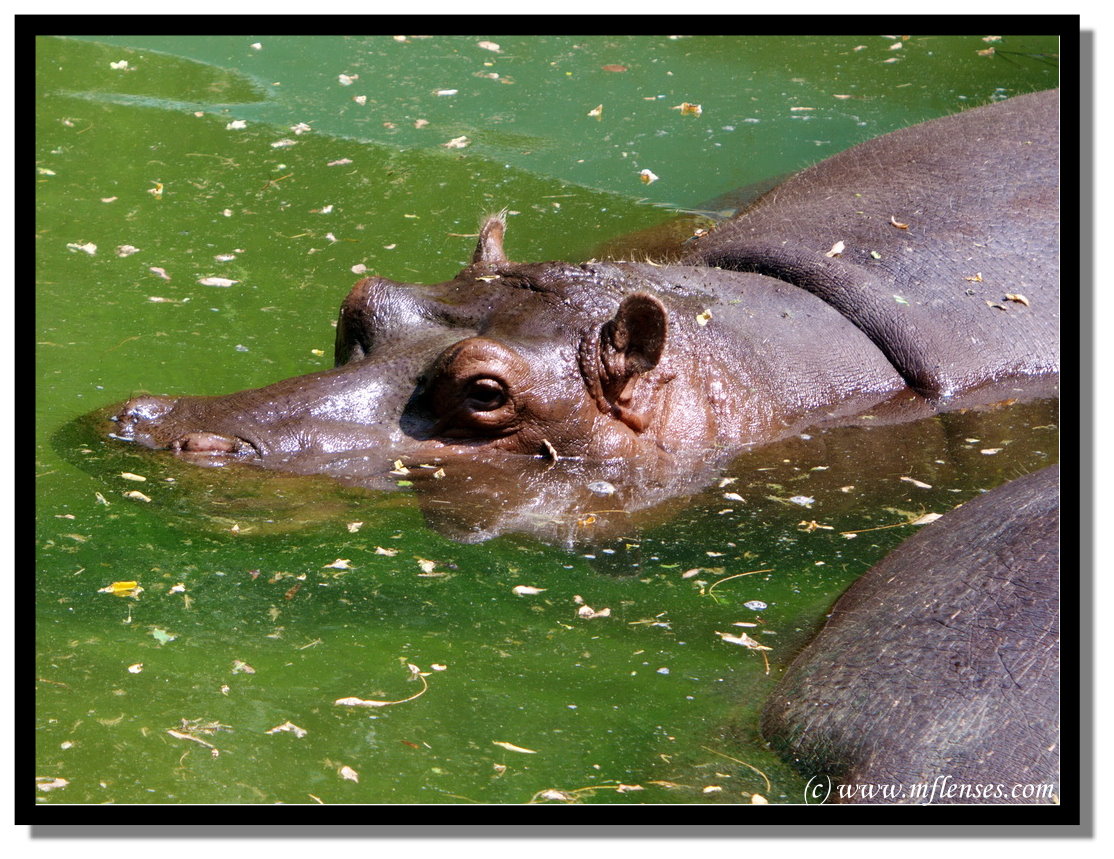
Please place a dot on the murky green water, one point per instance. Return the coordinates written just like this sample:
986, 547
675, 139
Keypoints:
246, 622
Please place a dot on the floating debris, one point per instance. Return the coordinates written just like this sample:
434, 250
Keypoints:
415, 672
122, 589
288, 727
743, 640
511, 747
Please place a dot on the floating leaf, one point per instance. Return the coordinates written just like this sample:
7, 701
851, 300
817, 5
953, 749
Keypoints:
743, 640
511, 747
354, 701
288, 727
122, 589
688, 109
162, 636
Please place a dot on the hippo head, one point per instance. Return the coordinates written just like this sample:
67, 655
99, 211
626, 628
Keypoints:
549, 360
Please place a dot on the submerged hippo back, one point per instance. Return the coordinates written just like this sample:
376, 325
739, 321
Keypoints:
940, 241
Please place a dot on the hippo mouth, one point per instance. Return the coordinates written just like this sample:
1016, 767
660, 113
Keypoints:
138, 421
200, 447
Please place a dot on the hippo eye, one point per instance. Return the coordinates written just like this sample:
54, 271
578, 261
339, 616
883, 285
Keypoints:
484, 394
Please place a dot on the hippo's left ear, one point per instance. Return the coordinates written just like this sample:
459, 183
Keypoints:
489, 247
631, 343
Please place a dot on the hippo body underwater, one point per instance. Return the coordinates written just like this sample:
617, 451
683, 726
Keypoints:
940, 667
917, 266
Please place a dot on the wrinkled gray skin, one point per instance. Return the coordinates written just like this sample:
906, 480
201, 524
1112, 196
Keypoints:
629, 360
942, 661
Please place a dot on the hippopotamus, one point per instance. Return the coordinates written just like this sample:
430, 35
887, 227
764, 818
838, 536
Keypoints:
936, 678
913, 268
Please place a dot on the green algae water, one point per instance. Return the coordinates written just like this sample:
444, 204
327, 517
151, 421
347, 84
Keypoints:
204, 204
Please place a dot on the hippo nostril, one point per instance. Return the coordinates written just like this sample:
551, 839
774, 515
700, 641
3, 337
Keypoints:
143, 409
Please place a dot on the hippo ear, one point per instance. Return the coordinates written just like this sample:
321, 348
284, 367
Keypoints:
489, 248
631, 344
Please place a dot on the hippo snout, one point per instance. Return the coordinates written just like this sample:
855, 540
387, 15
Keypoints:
166, 423
144, 408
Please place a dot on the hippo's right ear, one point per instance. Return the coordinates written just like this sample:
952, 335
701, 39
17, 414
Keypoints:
631, 343
489, 248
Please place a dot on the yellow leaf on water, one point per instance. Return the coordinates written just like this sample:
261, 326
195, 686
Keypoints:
122, 589
511, 747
